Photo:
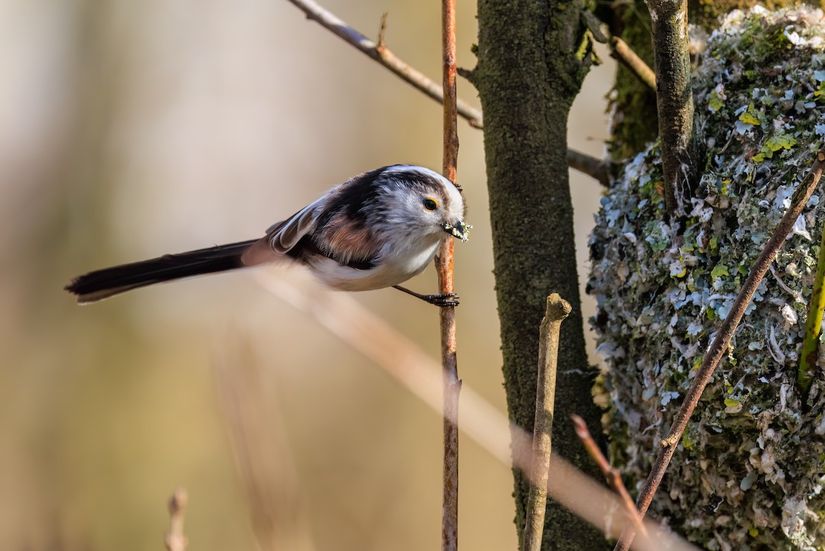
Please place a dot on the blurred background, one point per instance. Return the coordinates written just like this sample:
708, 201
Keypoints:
131, 129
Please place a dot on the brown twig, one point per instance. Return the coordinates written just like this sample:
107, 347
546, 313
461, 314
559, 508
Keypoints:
721, 341
622, 52
444, 265
611, 474
378, 51
380, 45
598, 169
175, 539
674, 99
556, 309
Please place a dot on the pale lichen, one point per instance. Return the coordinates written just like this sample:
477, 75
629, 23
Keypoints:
750, 470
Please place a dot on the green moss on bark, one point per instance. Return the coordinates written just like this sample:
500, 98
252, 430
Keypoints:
533, 56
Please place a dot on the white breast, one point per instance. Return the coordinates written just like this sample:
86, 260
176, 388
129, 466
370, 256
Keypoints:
398, 265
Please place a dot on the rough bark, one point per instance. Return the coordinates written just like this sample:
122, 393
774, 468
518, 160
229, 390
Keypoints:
533, 56
674, 97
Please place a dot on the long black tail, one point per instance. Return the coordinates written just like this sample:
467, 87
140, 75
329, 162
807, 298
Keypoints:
104, 283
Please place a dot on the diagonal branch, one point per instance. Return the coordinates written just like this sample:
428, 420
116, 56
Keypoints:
719, 347
620, 50
380, 53
598, 169
623, 53
611, 474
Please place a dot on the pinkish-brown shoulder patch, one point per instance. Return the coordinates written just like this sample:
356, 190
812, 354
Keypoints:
346, 239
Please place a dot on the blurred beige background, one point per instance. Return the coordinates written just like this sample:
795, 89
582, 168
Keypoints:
130, 129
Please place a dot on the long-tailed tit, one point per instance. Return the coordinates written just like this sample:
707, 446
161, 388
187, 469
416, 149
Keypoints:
375, 230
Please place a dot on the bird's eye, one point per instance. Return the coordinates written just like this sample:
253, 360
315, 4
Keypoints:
430, 204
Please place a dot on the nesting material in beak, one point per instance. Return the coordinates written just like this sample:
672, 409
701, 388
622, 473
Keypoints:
459, 230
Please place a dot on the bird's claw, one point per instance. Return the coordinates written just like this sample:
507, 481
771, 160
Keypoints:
442, 301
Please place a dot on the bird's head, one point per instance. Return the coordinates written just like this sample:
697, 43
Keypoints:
421, 200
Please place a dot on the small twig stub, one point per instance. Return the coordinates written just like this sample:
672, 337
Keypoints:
556, 310
175, 539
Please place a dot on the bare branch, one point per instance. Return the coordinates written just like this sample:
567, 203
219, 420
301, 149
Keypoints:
382, 31
383, 55
598, 169
555, 311
621, 51
673, 97
611, 474
721, 341
378, 51
444, 265
175, 539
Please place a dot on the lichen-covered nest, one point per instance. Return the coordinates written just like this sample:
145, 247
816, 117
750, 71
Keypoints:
750, 471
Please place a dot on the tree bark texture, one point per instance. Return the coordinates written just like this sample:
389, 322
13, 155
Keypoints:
533, 56
674, 97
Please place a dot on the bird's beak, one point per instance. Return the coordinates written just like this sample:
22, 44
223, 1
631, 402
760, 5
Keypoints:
459, 229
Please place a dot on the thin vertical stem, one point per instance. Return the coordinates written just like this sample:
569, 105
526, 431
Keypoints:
673, 95
176, 539
813, 327
444, 266
556, 310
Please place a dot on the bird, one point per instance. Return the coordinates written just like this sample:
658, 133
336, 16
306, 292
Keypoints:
375, 230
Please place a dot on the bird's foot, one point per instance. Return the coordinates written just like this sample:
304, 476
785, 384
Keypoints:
442, 301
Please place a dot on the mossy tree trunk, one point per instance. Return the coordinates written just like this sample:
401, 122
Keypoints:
635, 120
533, 56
